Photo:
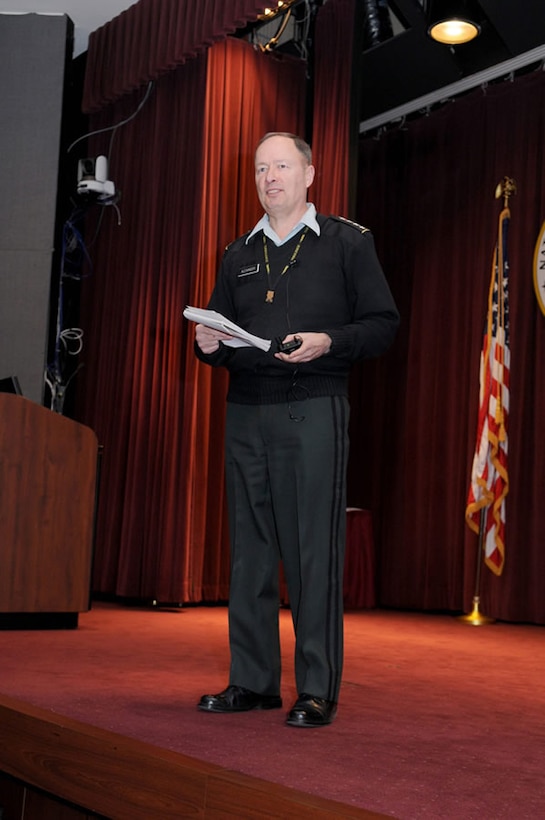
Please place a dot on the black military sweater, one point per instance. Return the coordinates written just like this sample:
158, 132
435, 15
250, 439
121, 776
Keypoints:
336, 285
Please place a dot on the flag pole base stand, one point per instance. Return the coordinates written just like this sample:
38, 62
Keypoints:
475, 617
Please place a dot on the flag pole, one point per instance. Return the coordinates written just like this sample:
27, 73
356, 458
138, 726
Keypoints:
475, 617
506, 188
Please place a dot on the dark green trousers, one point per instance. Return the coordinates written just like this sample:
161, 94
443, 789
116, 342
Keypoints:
286, 491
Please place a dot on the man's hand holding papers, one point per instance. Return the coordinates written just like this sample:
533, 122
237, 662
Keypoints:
224, 330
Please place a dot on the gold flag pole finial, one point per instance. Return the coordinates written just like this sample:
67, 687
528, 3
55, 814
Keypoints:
506, 188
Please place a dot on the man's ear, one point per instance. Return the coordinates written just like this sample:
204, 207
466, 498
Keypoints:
309, 175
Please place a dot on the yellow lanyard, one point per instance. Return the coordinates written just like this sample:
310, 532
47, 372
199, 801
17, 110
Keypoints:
270, 293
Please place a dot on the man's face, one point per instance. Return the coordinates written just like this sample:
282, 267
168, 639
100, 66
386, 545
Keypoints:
282, 177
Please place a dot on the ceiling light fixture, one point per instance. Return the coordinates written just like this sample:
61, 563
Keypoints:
452, 22
274, 9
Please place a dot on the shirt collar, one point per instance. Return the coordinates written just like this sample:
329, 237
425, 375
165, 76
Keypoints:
308, 218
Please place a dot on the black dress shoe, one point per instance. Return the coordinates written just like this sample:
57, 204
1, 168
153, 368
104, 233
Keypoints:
310, 711
238, 699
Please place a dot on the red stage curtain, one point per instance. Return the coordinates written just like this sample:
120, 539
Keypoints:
332, 123
151, 38
131, 387
248, 94
184, 166
427, 191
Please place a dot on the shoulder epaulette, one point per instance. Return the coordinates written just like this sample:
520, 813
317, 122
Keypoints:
346, 221
238, 239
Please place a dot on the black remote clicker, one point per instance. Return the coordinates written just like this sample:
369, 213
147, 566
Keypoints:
289, 347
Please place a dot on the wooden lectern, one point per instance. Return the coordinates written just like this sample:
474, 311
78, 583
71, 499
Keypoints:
48, 470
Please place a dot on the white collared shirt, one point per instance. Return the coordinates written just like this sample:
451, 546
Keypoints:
308, 218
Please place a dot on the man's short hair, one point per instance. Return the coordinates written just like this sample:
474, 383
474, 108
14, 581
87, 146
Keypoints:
302, 146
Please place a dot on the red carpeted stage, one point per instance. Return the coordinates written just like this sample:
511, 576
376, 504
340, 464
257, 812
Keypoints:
436, 719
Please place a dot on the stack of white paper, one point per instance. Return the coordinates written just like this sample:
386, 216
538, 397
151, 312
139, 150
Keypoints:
241, 338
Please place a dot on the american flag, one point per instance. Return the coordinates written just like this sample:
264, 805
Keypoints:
489, 476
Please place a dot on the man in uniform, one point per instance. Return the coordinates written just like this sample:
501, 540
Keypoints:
315, 283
